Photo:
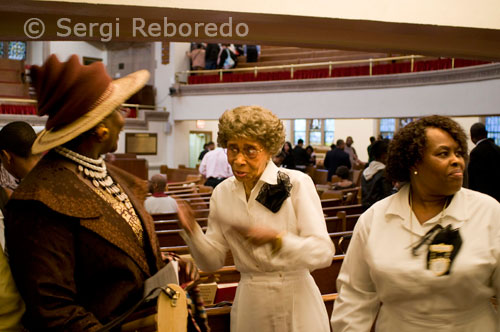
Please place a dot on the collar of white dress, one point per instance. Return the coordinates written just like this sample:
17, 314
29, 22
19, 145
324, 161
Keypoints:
399, 206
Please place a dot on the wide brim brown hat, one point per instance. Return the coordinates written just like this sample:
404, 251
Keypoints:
88, 96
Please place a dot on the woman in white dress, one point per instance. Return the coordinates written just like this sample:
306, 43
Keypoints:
272, 221
429, 253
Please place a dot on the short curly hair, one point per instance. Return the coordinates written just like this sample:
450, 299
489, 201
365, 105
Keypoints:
407, 147
252, 122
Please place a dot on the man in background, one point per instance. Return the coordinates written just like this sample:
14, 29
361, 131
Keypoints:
16, 139
335, 158
215, 168
159, 202
300, 155
484, 163
353, 156
206, 147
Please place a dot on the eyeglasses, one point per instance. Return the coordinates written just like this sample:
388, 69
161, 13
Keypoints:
249, 152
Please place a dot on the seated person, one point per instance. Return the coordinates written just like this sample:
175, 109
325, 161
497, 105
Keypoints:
159, 202
343, 173
312, 155
278, 159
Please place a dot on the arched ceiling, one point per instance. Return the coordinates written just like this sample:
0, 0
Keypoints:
444, 28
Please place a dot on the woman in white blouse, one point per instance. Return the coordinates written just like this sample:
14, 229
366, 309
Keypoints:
272, 221
404, 262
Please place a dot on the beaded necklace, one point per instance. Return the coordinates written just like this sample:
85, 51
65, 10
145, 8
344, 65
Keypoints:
95, 170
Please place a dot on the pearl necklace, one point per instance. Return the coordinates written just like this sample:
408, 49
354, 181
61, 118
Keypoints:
95, 170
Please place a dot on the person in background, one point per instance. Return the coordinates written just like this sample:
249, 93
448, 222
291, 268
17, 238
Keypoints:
374, 183
300, 155
369, 149
215, 168
312, 156
211, 56
272, 221
227, 59
424, 250
206, 148
343, 173
197, 57
288, 161
16, 139
278, 159
252, 52
484, 163
353, 156
336, 157
159, 202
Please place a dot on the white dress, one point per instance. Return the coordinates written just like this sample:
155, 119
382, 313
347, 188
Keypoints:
379, 267
276, 292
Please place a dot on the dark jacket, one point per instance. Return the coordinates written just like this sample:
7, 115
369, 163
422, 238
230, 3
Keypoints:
375, 189
300, 156
76, 262
484, 168
335, 158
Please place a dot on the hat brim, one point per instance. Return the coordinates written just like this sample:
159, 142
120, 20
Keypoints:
121, 90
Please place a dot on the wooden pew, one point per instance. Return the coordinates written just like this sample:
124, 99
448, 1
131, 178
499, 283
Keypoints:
340, 240
169, 238
168, 232
331, 202
172, 224
165, 216
349, 210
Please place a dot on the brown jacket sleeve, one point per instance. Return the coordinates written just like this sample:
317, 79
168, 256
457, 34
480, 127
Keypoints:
43, 264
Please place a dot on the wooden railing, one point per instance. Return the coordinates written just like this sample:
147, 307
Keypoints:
293, 67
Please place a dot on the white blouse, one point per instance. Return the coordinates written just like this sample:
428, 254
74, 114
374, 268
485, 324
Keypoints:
306, 244
276, 292
379, 268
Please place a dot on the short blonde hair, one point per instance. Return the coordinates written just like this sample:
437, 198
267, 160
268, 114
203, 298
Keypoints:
252, 122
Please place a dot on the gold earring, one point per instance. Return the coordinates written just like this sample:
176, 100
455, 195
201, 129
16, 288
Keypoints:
102, 131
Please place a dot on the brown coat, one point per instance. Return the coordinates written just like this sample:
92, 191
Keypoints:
76, 262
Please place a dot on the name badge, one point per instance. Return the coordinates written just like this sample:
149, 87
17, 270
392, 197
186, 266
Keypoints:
439, 260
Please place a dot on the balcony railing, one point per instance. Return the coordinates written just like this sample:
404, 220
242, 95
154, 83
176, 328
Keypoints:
294, 67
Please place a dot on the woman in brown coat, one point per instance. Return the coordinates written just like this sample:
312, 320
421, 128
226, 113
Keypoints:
79, 240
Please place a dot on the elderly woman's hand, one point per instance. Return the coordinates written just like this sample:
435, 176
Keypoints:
186, 216
258, 235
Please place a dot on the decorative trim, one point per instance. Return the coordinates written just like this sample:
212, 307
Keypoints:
140, 123
448, 76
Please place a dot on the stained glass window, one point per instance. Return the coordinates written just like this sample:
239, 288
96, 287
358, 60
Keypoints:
492, 124
17, 50
300, 130
387, 128
329, 131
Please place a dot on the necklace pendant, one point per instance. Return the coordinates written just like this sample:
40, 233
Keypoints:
80, 168
86, 172
95, 183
